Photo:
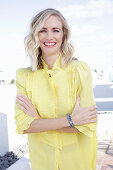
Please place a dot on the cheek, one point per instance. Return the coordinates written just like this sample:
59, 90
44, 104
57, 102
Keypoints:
60, 38
40, 37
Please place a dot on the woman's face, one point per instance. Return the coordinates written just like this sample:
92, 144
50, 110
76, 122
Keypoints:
51, 36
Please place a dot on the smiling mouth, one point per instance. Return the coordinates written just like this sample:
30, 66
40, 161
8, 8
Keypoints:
49, 44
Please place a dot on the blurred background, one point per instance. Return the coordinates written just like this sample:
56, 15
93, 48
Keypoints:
91, 23
92, 36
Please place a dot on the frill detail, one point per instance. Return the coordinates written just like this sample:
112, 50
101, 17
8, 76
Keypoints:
81, 81
86, 129
23, 80
73, 79
24, 123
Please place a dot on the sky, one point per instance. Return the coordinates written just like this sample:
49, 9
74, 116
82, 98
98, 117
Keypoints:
91, 23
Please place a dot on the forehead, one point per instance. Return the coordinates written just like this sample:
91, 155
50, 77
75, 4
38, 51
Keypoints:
53, 21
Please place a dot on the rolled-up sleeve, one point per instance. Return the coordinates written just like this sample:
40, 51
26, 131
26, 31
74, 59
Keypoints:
22, 120
85, 91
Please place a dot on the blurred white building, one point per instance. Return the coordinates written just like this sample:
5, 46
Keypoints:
111, 74
5, 77
102, 75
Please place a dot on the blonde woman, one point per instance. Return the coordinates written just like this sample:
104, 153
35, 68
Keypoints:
55, 103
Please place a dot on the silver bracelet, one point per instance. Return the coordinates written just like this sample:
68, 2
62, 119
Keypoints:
70, 120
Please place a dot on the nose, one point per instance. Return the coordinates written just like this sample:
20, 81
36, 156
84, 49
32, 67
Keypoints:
49, 35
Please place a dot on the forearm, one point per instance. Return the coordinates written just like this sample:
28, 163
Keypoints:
69, 130
42, 125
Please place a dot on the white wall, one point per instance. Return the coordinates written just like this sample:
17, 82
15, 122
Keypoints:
7, 123
4, 143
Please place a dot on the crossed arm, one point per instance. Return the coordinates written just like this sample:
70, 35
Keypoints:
39, 124
60, 124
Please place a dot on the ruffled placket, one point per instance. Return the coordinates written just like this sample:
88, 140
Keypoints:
55, 69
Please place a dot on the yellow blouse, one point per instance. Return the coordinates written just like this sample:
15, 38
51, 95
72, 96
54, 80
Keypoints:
53, 92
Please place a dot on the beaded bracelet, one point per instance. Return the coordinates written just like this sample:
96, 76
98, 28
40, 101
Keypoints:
70, 120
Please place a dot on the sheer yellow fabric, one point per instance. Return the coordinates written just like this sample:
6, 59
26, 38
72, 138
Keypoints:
55, 96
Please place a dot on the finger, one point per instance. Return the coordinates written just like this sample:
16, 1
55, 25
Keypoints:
23, 97
93, 116
23, 100
94, 112
90, 108
23, 103
26, 98
88, 121
25, 111
26, 102
92, 120
22, 108
89, 112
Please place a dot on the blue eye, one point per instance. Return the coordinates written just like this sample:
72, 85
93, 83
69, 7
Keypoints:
43, 31
56, 30
46, 31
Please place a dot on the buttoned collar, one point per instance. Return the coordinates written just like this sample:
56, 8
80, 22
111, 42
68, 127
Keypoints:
56, 67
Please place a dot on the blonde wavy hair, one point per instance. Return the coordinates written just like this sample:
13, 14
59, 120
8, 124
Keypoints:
32, 42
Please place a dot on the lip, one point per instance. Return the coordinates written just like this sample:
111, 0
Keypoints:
49, 46
49, 41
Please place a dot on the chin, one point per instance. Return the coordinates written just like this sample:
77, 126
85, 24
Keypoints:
52, 52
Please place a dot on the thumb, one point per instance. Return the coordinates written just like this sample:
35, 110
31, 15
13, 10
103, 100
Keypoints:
77, 105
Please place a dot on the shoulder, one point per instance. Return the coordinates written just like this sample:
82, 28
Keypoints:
22, 74
77, 64
23, 70
81, 68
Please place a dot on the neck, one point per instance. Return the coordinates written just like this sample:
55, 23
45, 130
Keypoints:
50, 59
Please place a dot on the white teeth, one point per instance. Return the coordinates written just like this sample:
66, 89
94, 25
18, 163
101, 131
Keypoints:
49, 44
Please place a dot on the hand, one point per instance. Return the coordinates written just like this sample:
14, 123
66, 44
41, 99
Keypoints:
26, 105
81, 116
